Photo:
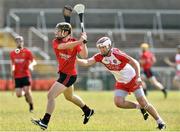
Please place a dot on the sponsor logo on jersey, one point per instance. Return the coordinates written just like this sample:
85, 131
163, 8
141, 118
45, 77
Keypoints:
64, 56
19, 60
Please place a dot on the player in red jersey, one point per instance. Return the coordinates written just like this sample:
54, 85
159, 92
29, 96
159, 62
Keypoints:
147, 60
126, 71
22, 60
66, 49
176, 64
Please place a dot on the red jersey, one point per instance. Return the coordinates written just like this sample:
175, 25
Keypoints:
66, 57
147, 58
21, 62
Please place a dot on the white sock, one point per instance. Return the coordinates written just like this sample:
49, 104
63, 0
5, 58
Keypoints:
23, 93
138, 106
160, 121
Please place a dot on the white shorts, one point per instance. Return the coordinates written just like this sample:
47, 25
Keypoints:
176, 77
138, 93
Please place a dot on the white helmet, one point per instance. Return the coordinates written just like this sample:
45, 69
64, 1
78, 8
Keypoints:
19, 37
104, 42
19, 42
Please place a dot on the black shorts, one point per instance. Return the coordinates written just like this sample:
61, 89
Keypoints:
21, 82
66, 80
148, 73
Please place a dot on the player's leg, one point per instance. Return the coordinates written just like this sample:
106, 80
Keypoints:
144, 87
28, 97
143, 77
176, 82
138, 93
63, 82
120, 102
19, 92
149, 74
56, 89
149, 108
158, 85
70, 96
28, 94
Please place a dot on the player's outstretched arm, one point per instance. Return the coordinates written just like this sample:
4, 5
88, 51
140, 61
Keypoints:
170, 63
135, 64
86, 62
154, 60
84, 52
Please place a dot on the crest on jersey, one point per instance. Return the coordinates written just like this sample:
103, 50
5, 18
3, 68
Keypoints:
115, 61
23, 54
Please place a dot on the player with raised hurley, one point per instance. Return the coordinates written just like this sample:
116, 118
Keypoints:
66, 49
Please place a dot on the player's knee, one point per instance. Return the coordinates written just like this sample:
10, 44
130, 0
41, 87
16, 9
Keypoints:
69, 98
50, 96
27, 91
18, 95
119, 103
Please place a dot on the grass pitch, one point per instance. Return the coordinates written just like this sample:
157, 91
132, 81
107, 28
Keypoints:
14, 114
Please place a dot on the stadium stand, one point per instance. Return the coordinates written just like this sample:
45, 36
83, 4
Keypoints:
126, 22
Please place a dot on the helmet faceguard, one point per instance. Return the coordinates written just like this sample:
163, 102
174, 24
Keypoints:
104, 42
63, 27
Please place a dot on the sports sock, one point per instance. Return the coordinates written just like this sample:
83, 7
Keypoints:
85, 109
31, 106
138, 106
159, 121
46, 118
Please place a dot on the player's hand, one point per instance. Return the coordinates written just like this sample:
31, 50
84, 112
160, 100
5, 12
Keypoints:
166, 59
31, 67
83, 37
138, 80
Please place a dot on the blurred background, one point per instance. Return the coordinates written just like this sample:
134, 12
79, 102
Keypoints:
127, 22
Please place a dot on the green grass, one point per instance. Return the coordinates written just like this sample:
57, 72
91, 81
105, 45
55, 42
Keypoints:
14, 115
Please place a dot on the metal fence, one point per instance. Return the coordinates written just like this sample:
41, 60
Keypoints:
119, 22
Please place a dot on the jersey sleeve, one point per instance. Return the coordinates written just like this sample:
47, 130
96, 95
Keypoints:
98, 57
79, 48
30, 55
